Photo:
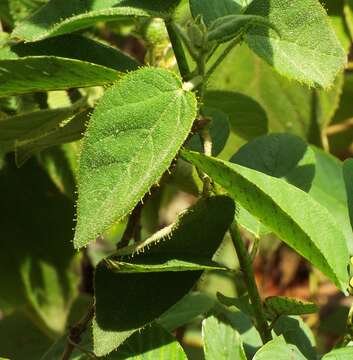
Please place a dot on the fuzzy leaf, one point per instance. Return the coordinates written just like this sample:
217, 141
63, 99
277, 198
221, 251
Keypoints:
221, 340
58, 17
197, 233
276, 306
45, 73
133, 136
299, 51
290, 213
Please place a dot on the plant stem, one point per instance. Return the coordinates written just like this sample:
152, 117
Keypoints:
178, 50
249, 277
75, 333
207, 149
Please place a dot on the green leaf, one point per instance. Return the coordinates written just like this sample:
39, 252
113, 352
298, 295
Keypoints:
186, 310
348, 179
133, 136
218, 129
58, 133
228, 27
78, 47
197, 233
296, 332
242, 303
20, 9
57, 18
160, 264
307, 110
276, 306
290, 213
45, 73
31, 125
280, 350
152, 343
214, 9
299, 52
221, 340
340, 354
31, 241
247, 118
328, 189
21, 339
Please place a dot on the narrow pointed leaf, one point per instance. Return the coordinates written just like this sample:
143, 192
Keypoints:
299, 52
133, 136
290, 213
58, 17
45, 73
197, 232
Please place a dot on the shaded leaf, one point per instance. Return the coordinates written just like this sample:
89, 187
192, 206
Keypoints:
221, 340
290, 213
214, 9
57, 18
45, 73
299, 51
20, 339
78, 47
247, 118
31, 242
133, 136
198, 232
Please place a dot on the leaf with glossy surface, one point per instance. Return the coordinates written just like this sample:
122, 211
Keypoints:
299, 51
247, 118
276, 306
198, 232
348, 179
221, 340
57, 18
290, 213
279, 349
45, 73
133, 136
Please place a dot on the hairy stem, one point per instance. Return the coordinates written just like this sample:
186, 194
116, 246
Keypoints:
249, 277
178, 50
